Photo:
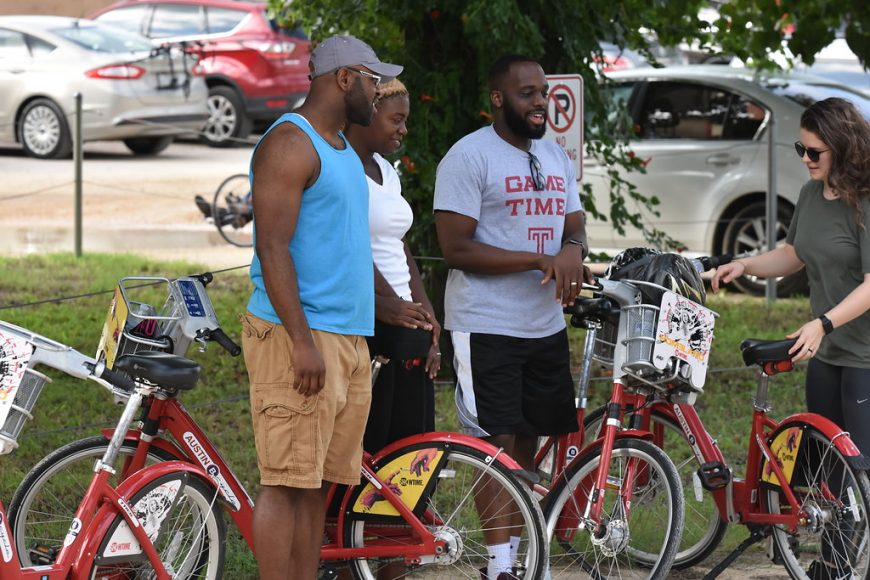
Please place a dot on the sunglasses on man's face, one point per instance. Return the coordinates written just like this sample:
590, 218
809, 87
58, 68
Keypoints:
537, 173
375, 78
813, 154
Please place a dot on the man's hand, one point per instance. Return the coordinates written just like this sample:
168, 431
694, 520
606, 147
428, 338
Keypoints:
309, 370
570, 273
398, 312
433, 360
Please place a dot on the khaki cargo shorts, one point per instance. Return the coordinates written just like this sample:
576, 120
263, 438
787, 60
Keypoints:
303, 441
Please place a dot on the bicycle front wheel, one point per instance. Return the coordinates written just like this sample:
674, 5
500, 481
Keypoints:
45, 503
232, 211
703, 528
466, 499
834, 541
181, 515
641, 520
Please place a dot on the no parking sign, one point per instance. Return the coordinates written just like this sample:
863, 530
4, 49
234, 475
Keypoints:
565, 117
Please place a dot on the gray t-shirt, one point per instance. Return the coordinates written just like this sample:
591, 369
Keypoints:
836, 252
486, 178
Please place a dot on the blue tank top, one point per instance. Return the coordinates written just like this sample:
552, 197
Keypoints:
330, 247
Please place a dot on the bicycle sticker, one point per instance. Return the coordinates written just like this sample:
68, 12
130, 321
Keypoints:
407, 476
150, 511
5, 544
684, 332
74, 529
785, 449
116, 318
211, 468
15, 353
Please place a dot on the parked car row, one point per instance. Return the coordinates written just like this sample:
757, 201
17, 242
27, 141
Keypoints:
148, 71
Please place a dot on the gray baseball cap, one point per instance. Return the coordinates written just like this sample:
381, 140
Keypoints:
338, 51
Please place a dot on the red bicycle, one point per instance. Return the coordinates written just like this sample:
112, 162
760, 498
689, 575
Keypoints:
419, 503
161, 522
804, 486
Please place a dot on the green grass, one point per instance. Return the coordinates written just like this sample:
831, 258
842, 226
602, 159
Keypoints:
70, 409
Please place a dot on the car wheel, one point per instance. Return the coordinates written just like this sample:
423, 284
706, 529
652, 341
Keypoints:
148, 145
227, 121
747, 234
43, 131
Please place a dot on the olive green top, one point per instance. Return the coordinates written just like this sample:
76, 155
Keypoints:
836, 252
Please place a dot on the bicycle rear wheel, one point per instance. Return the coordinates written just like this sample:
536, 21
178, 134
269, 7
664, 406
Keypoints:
232, 212
181, 515
703, 529
449, 507
640, 538
836, 500
45, 503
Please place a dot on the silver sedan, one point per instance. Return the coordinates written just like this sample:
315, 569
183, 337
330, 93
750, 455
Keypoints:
130, 90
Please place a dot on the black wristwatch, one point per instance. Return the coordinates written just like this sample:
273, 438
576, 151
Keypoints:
584, 251
826, 324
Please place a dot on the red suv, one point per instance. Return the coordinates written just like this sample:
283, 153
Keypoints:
255, 71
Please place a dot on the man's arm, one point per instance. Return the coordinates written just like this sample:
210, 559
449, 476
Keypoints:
462, 252
277, 198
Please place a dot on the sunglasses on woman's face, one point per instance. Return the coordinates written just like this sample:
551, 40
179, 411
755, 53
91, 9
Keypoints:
813, 154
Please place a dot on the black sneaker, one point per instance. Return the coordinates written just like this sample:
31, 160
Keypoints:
203, 205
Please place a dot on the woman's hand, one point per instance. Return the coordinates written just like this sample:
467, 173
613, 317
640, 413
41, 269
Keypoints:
398, 312
433, 359
727, 273
809, 338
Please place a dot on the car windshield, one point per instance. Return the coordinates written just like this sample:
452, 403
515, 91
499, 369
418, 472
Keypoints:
103, 39
808, 93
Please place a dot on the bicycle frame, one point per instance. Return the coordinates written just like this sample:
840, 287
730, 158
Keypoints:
739, 501
192, 446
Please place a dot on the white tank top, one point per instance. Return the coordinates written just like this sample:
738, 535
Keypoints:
390, 218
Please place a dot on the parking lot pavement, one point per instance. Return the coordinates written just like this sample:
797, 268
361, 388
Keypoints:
130, 204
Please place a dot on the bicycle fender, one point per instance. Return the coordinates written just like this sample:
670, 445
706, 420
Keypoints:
420, 441
134, 435
102, 522
832, 431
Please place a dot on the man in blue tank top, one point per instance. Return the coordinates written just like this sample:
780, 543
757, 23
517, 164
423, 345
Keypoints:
312, 304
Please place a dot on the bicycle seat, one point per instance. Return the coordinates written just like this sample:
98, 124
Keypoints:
757, 351
161, 368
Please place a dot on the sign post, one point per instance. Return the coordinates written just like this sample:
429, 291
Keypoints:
565, 117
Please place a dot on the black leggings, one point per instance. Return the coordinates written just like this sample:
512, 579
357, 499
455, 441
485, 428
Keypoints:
842, 394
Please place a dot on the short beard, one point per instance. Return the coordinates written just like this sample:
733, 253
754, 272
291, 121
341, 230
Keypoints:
357, 107
519, 126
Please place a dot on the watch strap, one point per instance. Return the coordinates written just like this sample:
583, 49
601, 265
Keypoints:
826, 324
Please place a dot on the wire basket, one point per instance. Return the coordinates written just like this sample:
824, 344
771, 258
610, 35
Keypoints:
20, 410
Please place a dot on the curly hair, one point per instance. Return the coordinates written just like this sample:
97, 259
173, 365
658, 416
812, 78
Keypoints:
393, 88
842, 127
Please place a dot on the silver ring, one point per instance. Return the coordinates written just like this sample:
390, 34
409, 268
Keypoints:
573, 283
437, 354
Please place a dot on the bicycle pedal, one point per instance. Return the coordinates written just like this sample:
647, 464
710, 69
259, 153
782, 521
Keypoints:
42, 555
203, 205
714, 475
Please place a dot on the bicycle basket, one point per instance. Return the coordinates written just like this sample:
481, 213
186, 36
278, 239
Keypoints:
20, 387
135, 325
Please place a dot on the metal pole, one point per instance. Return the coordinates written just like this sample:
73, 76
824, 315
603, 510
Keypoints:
77, 163
772, 212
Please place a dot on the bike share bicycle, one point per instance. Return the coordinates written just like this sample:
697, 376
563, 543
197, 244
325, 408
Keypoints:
417, 502
804, 485
161, 522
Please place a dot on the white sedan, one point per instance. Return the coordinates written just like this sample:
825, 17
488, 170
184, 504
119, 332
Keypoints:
130, 90
702, 133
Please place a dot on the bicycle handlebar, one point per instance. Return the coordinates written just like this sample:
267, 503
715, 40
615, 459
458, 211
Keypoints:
220, 337
707, 263
116, 378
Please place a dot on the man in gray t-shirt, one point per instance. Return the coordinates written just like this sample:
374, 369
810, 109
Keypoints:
511, 226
